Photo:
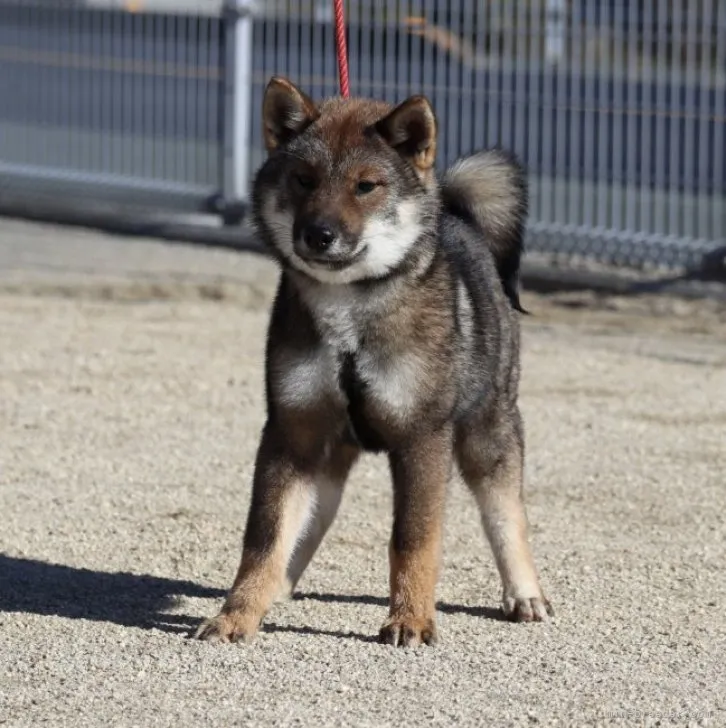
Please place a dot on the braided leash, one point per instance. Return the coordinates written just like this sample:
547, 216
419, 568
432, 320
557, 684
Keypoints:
341, 48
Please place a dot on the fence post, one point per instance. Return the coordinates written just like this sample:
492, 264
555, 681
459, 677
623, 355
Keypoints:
236, 123
555, 29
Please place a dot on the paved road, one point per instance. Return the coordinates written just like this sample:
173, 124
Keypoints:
130, 405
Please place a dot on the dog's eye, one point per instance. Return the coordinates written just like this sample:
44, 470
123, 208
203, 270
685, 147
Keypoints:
305, 181
364, 187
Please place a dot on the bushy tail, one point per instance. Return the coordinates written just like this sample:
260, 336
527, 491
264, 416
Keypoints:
489, 191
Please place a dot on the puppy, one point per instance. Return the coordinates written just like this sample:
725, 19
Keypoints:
394, 330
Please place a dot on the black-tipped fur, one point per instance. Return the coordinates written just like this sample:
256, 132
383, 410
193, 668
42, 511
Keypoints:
488, 190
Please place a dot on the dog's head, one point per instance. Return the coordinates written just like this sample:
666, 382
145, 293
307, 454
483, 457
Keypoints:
348, 188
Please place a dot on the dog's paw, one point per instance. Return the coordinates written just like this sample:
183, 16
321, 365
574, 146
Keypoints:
408, 632
527, 609
227, 627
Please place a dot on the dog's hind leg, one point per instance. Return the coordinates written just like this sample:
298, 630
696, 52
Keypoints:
491, 462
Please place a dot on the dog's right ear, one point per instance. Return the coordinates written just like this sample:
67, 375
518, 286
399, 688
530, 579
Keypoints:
286, 112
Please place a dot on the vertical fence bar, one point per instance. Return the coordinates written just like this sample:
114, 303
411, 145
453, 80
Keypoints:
589, 208
718, 113
177, 82
126, 29
45, 101
570, 38
706, 81
635, 119
618, 182
547, 154
661, 111
191, 98
112, 42
471, 12
169, 96
32, 94
535, 116
428, 58
237, 112
507, 73
97, 59
204, 86
492, 74
481, 78
302, 21
67, 31
390, 88
452, 94
403, 47
330, 61
675, 140
318, 26
571, 79
561, 182
359, 51
647, 161
156, 113
519, 69
604, 81
687, 184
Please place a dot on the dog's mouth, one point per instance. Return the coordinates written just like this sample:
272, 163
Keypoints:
332, 262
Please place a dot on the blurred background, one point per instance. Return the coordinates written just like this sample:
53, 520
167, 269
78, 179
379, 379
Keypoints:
617, 107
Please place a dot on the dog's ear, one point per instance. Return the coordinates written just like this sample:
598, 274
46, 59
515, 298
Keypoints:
411, 130
286, 112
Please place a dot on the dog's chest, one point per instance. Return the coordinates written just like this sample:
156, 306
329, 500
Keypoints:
380, 394
375, 382
340, 328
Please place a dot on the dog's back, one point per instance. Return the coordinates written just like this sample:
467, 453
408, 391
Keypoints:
481, 228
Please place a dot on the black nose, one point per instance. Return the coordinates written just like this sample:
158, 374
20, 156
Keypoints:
318, 236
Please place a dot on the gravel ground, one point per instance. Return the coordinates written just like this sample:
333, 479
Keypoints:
130, 406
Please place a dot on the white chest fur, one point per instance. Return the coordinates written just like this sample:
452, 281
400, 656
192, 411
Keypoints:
341, 313
391, 382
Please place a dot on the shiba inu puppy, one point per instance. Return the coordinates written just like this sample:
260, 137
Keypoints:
394, 330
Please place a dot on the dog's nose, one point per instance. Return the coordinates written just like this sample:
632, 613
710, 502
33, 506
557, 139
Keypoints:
318, 237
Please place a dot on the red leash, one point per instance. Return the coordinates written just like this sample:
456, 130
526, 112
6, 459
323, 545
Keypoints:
341, 47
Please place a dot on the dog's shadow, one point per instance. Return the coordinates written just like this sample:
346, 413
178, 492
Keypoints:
130, 600
142, 601
444, 607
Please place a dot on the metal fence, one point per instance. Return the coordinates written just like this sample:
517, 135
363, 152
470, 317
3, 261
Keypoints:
617, 107
108, 103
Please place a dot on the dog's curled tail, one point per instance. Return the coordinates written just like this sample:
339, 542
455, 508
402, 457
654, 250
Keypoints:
488, 190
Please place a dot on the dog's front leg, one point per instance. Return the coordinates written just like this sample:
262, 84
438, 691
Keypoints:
420, 475
284, 504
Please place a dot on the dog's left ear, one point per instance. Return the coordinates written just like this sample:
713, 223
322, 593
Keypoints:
411, 130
